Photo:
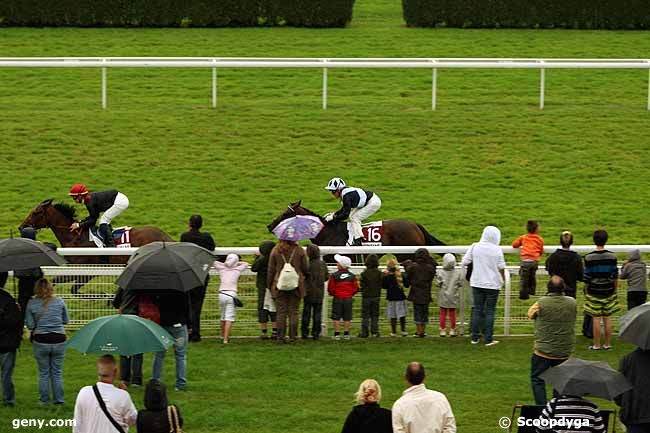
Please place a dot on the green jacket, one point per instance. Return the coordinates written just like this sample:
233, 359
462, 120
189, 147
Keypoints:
371, 280
555, 322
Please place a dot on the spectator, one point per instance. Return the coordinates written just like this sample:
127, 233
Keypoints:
342, 285
45, 318
158, 416
128, 302
27, 278
368, 416
314, 293
11, 332
229, 273
175, 314
601, 280
634, 271
396, 309
566, 264
287, 300
261, 268
635, 404
420, 273
555, 340
487, 278
102, 407
532, 247
450, 283
421, 410
197, 294
574, 408
370, 288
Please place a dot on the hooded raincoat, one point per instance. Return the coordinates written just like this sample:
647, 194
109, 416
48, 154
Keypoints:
229, 272
450, 282
153, 418
488, 260
420, 273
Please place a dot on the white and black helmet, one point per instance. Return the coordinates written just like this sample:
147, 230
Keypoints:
335, 184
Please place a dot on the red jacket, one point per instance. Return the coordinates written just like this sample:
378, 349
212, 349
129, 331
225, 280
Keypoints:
342, 284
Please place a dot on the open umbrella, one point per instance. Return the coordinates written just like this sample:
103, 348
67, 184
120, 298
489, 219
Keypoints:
187, 250
298, 228
579, 377
634, 326
21, 253
123, 334
165, 269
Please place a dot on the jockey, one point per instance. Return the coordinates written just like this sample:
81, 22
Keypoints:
111, 202
357, 205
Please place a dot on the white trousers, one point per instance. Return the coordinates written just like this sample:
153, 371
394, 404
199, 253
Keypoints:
120, 205
358, 215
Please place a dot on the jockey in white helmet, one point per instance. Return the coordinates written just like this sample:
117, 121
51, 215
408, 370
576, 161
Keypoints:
357, 205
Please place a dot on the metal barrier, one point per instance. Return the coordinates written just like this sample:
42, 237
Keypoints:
434, 64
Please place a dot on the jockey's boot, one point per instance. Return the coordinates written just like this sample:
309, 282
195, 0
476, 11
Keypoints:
357, 242
107, 235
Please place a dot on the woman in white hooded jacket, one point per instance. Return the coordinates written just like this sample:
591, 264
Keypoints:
487, 277
229, 272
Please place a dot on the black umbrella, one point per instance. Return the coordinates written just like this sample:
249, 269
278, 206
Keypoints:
579, 377
20, 253
186, 250
165, 268
635, 326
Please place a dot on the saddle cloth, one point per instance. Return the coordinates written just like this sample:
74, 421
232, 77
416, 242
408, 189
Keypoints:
121, 237
373, 233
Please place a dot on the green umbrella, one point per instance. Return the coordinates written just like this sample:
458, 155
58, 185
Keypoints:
122, 334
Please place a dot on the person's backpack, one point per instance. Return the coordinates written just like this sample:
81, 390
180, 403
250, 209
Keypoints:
288, 279
11, 324
147, 309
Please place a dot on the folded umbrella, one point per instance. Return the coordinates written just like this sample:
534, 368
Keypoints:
579, 377
122, 334
634, 326
298, 228
21, 253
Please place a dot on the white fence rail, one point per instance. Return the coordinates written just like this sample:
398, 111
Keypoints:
434, 64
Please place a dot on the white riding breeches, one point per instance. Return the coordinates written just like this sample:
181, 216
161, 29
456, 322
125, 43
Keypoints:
358, 215
119, 206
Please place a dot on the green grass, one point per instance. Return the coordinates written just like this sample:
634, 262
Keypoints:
254, 386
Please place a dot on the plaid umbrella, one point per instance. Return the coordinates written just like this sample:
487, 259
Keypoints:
298, 228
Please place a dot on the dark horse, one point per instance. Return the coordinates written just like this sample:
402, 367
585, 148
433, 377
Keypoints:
396, 232
58, 217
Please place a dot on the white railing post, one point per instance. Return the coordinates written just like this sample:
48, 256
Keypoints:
214, 84
434, 87
104, 85
324, 86
542, 85
506, 306
648, 86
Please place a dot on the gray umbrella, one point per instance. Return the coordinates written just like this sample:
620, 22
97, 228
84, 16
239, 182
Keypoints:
186, 250
579, 377
634, 326
167, 267
20, 253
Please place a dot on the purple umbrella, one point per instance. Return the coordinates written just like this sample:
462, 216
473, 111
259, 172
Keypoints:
298, 228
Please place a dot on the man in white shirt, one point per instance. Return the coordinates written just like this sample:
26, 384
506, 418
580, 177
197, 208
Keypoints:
89, 417
421, 410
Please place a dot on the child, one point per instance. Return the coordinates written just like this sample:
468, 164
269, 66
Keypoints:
397, 309
420, 272
229, 272
314, 288
532, 247
450, 283
370, 287
342, 286
634, 271
264, 313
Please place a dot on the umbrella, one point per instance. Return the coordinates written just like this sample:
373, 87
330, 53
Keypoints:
187, 250
579, 377
635, 326
123, 334
298, 228
166, 269
22, 253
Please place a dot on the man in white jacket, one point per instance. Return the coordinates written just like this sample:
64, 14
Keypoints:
488, 265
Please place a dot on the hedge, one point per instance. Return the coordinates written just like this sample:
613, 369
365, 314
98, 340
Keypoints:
568, 14
176, 13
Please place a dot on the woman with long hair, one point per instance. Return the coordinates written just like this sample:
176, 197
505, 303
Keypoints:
45, 317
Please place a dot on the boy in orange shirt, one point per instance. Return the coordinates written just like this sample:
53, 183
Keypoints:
532, 247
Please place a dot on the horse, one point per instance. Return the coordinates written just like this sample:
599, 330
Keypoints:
397, 232
58, 217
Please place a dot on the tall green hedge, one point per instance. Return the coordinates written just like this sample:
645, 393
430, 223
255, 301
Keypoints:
570, 14
176, 13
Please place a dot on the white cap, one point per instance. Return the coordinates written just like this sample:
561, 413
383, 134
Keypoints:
344, 261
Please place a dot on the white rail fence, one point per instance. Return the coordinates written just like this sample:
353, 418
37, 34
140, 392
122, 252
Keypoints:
90, 294
325, 64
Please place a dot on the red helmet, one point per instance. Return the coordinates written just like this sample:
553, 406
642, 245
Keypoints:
78, 189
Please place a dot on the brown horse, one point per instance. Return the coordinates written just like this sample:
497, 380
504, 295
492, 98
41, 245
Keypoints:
396, 232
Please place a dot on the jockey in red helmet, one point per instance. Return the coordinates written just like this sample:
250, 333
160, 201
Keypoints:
110, 202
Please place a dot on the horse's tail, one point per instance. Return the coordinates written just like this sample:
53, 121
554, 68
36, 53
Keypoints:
429, 239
